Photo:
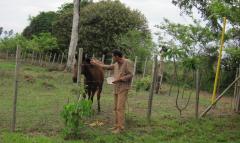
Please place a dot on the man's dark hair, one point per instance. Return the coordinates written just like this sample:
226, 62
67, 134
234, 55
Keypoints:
117, 53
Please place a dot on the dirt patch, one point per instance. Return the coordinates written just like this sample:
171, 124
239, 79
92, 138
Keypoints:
48, 85
56, 68
45, 76
29, 78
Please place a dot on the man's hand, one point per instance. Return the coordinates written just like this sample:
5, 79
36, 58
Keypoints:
93, 61
117, 80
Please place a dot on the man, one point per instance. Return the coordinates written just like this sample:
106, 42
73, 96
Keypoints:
123, 73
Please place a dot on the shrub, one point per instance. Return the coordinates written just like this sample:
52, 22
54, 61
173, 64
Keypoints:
143, 83
74, 115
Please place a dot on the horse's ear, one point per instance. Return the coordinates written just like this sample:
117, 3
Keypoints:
76, 56
84, 56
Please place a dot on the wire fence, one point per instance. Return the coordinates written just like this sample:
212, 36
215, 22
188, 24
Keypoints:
44, 88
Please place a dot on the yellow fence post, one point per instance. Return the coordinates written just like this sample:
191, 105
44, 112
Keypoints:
219, 62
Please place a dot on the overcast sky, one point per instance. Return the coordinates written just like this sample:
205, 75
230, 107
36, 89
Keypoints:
14, 13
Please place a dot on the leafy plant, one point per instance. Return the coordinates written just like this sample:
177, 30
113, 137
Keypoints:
74, 115
143, 83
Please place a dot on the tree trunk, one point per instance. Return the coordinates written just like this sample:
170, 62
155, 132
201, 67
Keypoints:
74, 35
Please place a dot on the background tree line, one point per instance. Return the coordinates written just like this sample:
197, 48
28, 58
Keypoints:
104, 26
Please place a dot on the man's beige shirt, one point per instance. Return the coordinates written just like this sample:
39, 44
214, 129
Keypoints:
124, 71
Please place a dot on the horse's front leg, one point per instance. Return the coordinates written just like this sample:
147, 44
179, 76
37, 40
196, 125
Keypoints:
89, 92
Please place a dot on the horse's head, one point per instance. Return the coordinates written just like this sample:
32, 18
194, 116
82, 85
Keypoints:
84, 66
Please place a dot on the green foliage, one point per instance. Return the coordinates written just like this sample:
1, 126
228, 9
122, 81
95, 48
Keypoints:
43, 42
10, 43
143, 83
102, 27
191, 63
74, 115
213, 13
42, 23
101, 24
194, 38
135, 43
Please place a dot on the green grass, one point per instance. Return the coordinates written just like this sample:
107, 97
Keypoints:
42, 95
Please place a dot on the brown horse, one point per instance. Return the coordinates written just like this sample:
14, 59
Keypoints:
94, 77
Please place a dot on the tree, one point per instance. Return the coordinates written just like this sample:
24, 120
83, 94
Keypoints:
194, 38
135, 43
43, 42
40, 24
102, 22
212, 12
74, 35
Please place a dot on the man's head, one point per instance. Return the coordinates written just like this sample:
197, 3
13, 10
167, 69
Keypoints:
117, 55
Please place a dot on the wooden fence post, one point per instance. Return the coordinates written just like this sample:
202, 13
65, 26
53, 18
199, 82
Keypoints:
152, 89
39, 59
145, 65
237, 93
35, 58
219, 97
80, 54
58, 58
134, 69
54, 58
62, 58
103, 58
32, 57
49, 60
18, 56
197, 93
7, 56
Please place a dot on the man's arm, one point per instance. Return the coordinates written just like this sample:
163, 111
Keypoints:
100, 64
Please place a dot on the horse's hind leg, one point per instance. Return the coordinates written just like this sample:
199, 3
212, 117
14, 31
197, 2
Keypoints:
98, 98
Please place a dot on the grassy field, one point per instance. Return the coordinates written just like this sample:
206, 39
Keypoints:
43, 92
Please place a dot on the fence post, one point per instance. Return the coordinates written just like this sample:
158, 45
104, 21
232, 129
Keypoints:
18, 56
152, 89
62, 58
41, 60
22, 55
80, 54
103, 58
32, 57
145, 65
58, 58
219, 97
197, 93
35, 58
134, 70
237, 93
7, 56
49, 60
54, 58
